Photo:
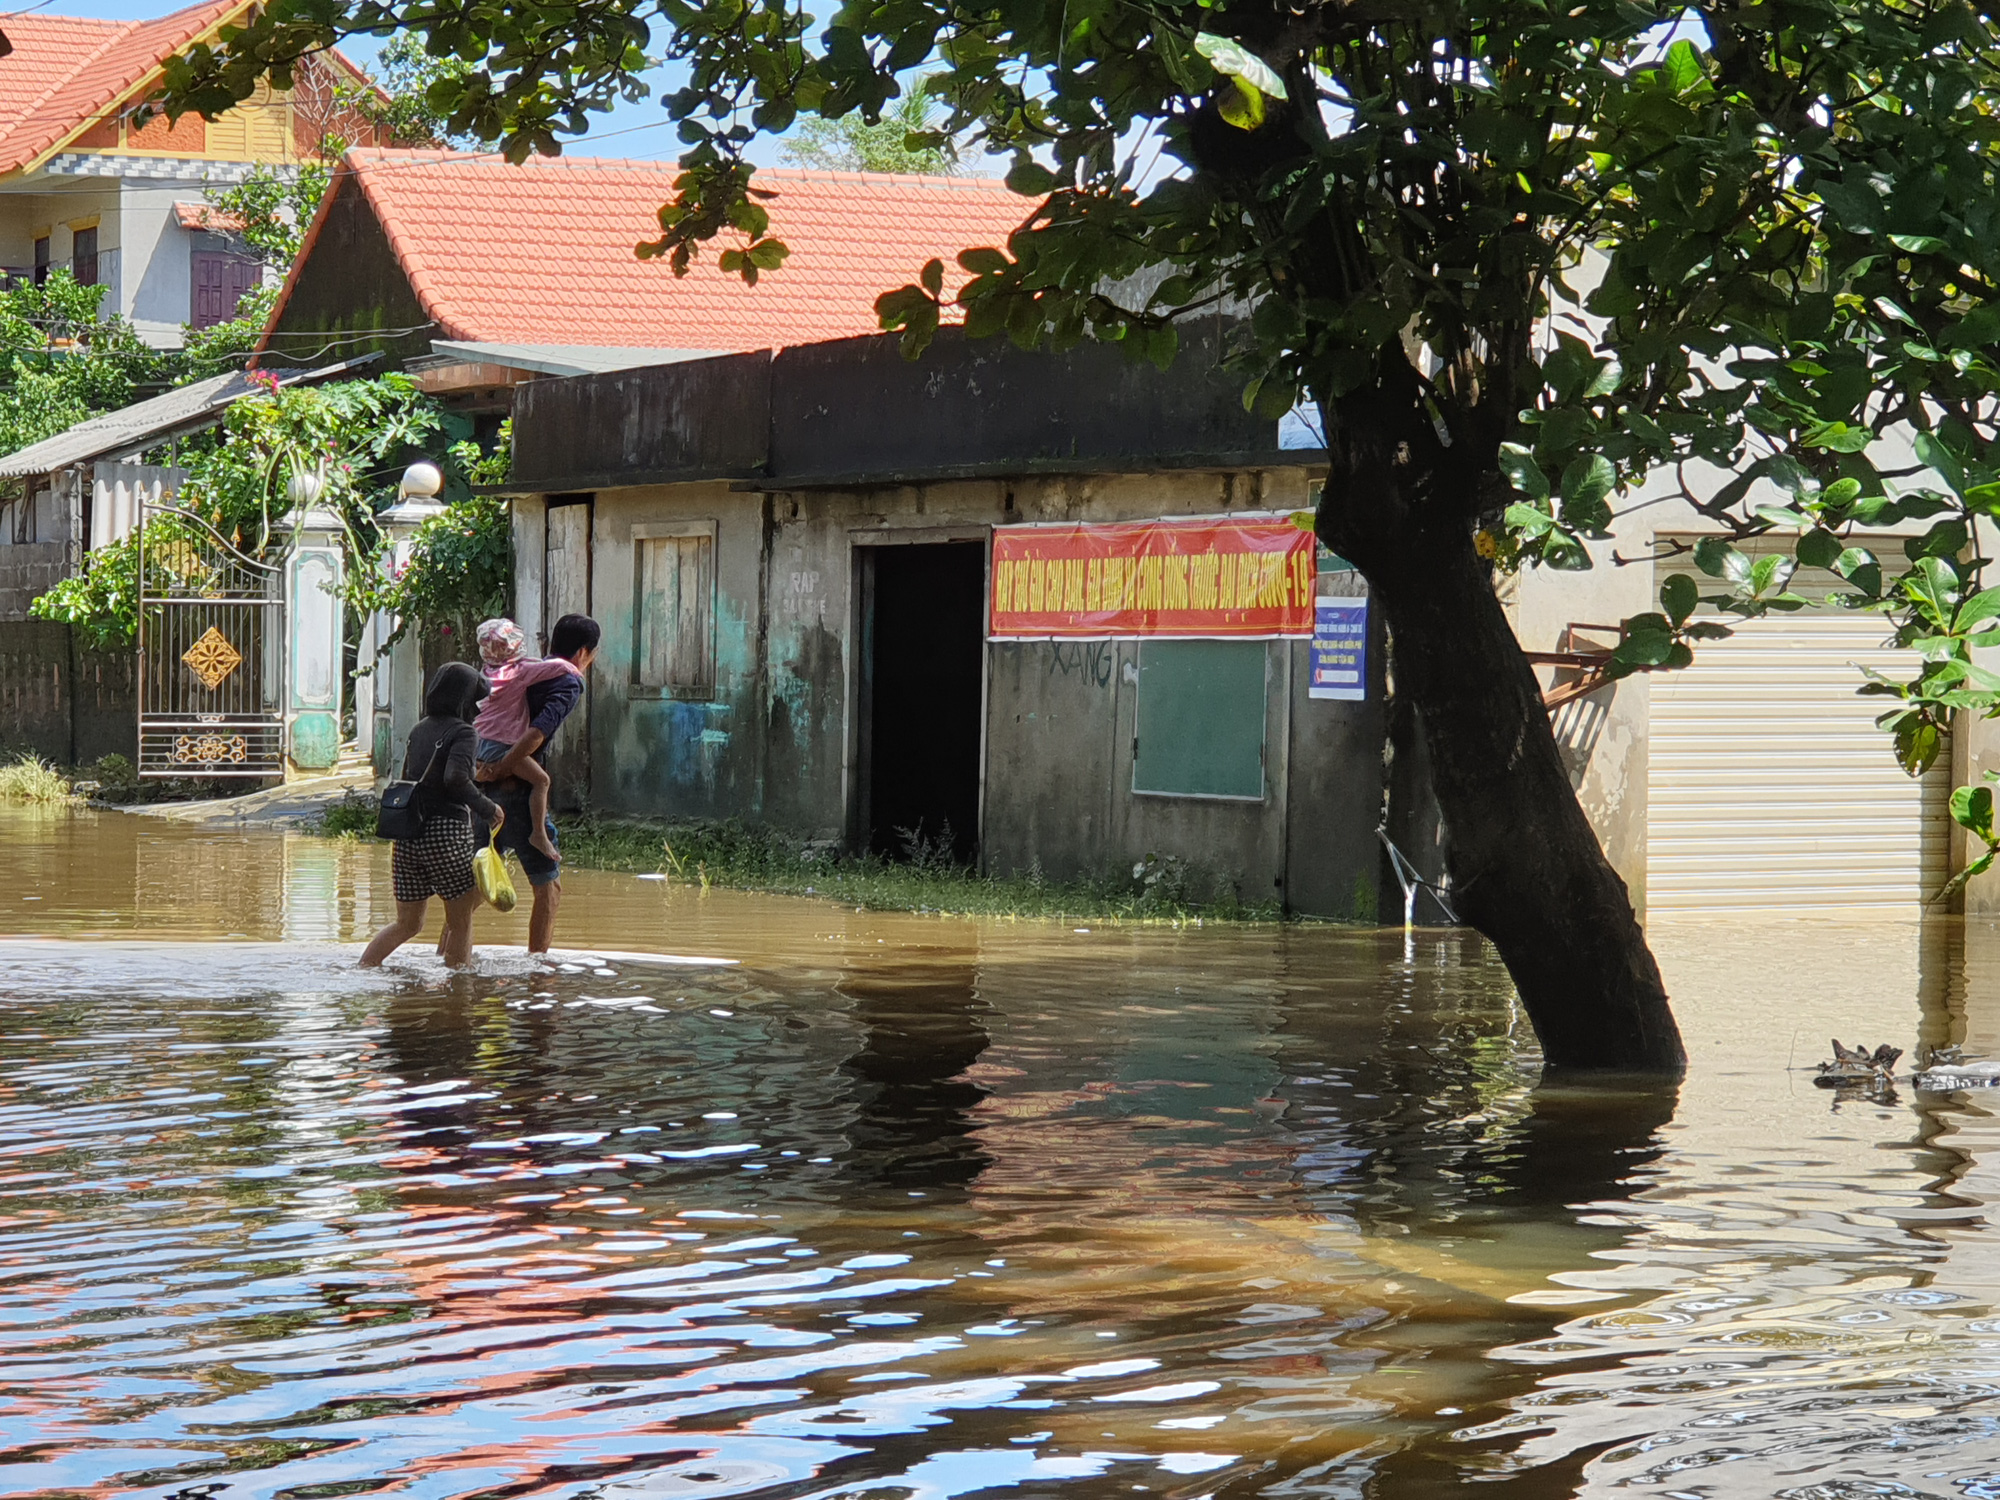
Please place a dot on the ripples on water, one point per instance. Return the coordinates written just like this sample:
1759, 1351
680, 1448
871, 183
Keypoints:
921, 1208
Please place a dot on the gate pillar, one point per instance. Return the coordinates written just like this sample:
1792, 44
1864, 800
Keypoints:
396, 685
313, 690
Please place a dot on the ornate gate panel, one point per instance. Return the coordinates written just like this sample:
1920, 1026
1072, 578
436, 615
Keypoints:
211, 652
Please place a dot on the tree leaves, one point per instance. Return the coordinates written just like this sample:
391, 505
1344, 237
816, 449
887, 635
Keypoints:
1680, 596
1231, 57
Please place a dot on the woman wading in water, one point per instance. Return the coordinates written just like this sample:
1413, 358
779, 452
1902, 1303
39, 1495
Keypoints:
438, 861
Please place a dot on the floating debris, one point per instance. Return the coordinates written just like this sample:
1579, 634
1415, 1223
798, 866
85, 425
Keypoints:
1857, 1067
1943, 1076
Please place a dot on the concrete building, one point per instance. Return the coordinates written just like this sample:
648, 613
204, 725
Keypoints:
84, 184
790, 554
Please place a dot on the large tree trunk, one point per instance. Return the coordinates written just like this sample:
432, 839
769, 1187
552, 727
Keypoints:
1526, 868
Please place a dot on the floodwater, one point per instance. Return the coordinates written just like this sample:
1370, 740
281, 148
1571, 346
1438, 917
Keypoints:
909, 1208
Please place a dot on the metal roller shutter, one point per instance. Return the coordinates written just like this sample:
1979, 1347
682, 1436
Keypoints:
1770, 785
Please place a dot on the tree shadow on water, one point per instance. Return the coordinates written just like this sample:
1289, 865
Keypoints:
1472, 1179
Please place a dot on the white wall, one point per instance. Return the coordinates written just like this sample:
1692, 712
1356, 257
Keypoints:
156, 287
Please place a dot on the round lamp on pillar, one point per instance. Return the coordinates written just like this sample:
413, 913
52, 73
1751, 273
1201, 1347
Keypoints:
303, 490
416, 499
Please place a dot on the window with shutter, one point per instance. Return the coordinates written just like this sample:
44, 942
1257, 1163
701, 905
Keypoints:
674, 652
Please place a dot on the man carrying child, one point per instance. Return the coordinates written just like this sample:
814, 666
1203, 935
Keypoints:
527, 705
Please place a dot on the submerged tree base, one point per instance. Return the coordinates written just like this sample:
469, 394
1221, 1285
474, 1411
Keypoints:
733, 857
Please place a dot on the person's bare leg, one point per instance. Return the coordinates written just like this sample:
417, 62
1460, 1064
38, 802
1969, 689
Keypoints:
538, 808
456, 943
409, 922
542, 920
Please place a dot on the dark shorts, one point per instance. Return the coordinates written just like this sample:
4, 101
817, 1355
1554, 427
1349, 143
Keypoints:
437, 862
513, 799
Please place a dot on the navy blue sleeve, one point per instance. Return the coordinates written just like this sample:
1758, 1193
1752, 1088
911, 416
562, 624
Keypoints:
552, 702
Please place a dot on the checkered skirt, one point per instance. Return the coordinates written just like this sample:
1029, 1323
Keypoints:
438, 861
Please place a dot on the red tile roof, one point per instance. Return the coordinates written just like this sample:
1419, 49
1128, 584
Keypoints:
542, 253
67, 73
206, 216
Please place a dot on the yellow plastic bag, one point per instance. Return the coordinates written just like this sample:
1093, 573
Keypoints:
489, 870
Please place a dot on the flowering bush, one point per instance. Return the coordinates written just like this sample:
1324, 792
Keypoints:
460, 570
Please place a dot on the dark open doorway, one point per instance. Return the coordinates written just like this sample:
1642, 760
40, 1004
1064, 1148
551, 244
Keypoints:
923, 631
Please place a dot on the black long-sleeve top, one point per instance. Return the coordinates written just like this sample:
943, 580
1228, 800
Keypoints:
450, 783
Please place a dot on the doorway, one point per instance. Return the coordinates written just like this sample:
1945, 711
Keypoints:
923, 640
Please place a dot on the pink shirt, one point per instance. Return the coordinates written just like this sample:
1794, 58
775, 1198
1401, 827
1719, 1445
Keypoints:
503, 716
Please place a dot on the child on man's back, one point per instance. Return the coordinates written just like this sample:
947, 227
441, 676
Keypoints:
504, 718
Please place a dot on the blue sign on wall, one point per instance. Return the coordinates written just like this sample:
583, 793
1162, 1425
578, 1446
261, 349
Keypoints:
1340, 650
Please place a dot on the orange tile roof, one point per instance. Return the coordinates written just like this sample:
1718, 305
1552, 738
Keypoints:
66, 72
206, 216
543, 252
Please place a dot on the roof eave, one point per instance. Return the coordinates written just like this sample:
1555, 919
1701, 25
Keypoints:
756, 481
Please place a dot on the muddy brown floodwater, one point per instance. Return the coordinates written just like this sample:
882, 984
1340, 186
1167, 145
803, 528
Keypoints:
914, 1207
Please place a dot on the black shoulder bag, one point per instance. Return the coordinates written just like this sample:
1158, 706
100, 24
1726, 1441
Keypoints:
401, 816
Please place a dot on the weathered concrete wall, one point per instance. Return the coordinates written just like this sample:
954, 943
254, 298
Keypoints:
653, 751
1334, 794
700, 419
986, 406
855, 412
68, 705
773, 743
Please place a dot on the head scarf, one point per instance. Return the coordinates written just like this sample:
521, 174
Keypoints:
454, 692
500, 641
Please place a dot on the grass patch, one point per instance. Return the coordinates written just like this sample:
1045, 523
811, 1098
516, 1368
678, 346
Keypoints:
352, 817
30, 779
1161, 889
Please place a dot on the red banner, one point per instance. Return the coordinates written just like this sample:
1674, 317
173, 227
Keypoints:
1205, 578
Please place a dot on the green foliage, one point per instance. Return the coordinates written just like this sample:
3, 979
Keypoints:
349, 440
266, 214
904, 139
1972, 810
348, 444
227, 346
352, 817
411, 77
494, 466
30, 779
59, 363
460, 569
100, 603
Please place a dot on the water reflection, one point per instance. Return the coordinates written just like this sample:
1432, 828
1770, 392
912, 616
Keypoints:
922, 1028
902, 1206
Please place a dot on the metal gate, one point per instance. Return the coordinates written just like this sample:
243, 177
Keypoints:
211, 652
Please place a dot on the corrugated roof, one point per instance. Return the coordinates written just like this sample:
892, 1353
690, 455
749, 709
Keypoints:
499, 253
134, 428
